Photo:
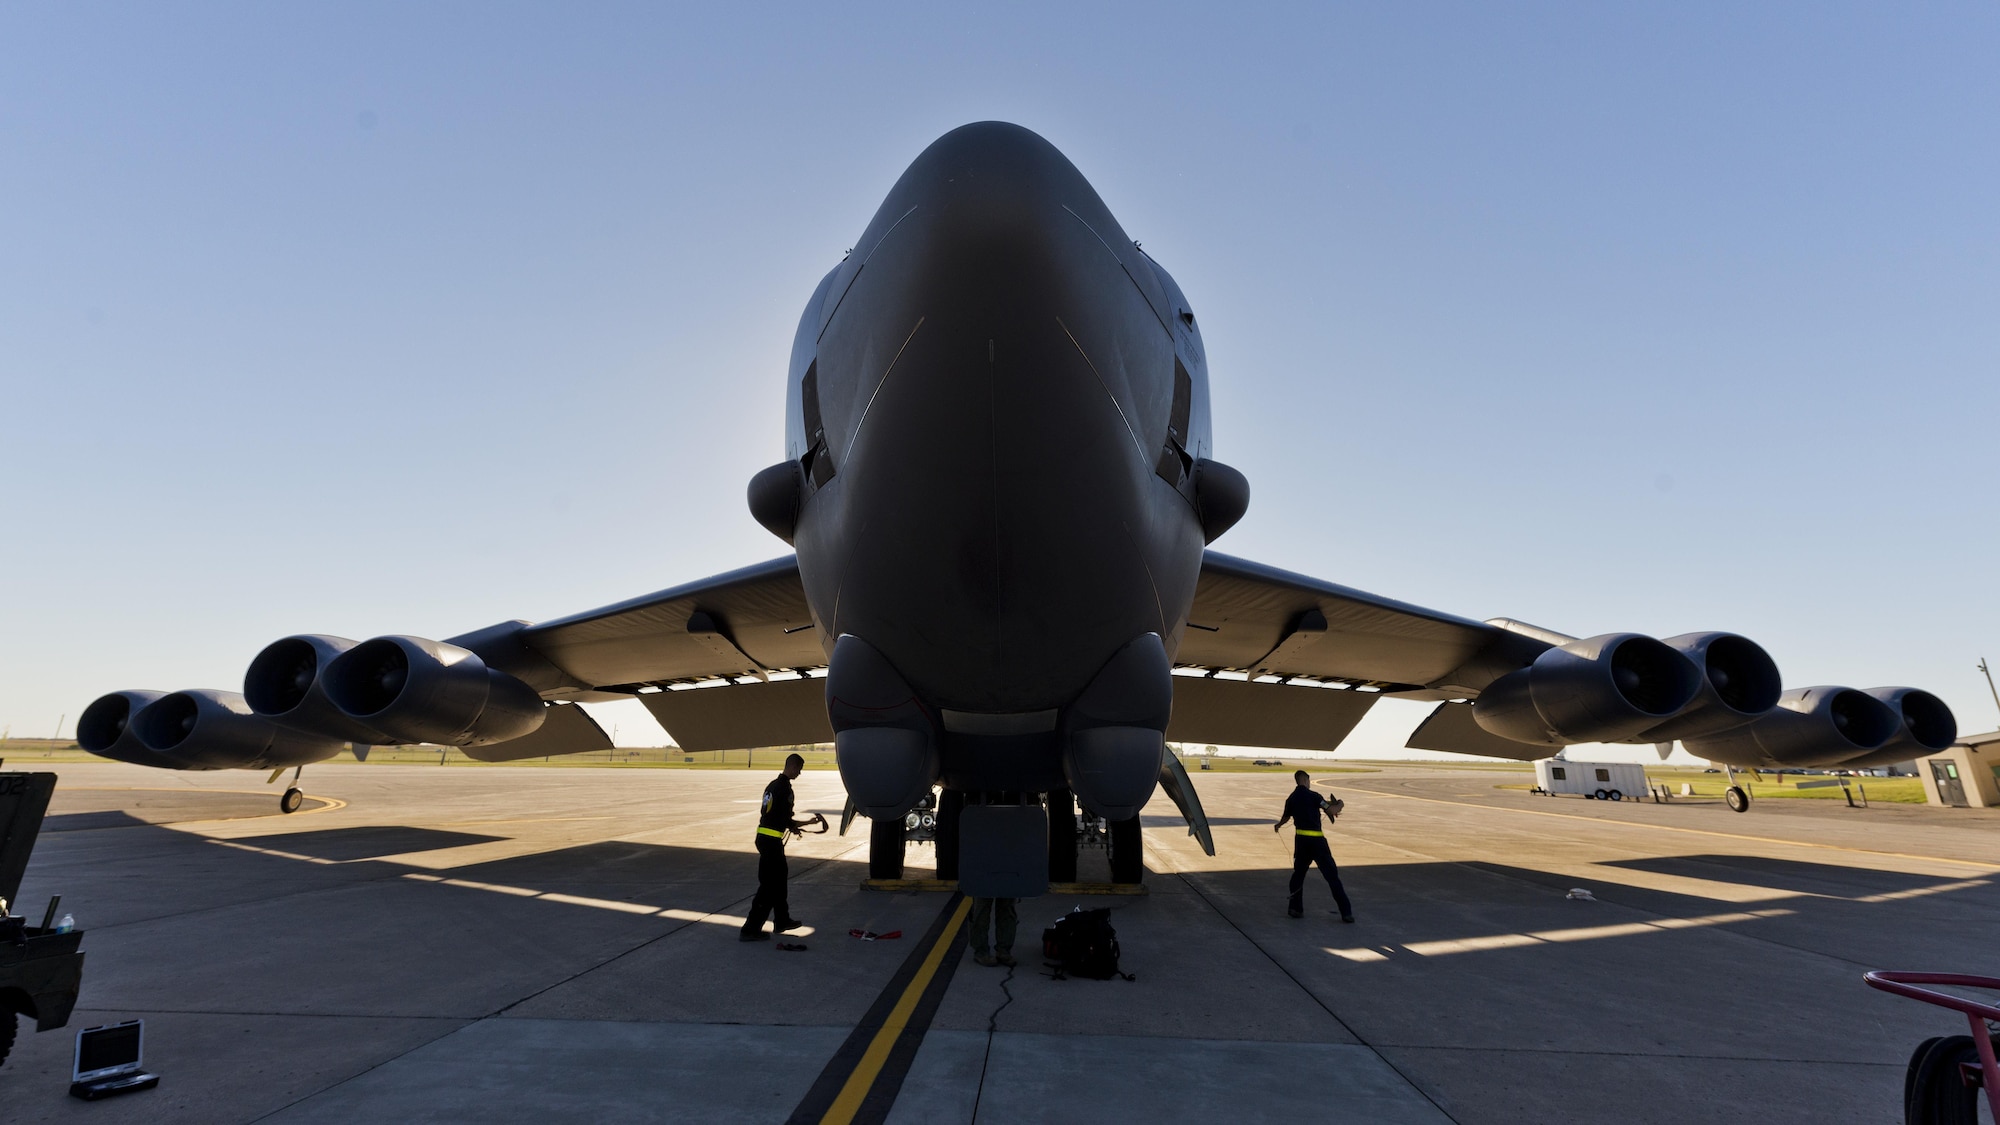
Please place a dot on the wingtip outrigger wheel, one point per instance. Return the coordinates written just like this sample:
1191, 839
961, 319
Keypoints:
293, 798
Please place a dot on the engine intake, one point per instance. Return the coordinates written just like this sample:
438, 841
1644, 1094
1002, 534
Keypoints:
1927, 727
105, 729
1810, 727
1600, 689
284, 684
205, 729
417, 690
1739, 683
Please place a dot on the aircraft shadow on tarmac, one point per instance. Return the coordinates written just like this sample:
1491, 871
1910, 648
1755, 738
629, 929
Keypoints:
1789, 875
87, 821
366, 841
629, 886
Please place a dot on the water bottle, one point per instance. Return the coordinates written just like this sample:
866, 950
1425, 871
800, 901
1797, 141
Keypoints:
67, 925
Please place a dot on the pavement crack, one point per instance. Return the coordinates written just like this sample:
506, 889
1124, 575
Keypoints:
992, 1026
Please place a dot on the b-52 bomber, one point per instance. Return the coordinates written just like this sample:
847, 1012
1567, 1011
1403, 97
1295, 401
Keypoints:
999, 486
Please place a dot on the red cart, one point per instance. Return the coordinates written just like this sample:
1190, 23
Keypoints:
1945, 1071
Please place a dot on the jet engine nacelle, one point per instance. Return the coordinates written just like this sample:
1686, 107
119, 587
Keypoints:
1600, 689
285, 685
105, 729
1739, 683
1810, 727
203, 729
1927, 727
417, 690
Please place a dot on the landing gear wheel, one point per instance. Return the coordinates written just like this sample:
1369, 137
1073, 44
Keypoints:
1601, 795
8, 1028
1062, 836
290, 802
1615, 795
885, 848
1936, 1094
1128, 861
1737, 799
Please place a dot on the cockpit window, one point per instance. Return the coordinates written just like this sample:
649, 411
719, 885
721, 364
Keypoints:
1174, 462
818, 460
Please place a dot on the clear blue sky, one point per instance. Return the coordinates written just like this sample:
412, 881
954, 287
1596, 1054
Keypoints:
368, 318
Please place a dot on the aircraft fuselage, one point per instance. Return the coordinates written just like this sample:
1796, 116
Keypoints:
996, 402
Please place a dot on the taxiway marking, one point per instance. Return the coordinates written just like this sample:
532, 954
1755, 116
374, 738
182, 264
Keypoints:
846, 1090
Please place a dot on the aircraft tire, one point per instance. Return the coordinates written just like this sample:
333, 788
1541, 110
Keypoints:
1937, 1097
885, 848
1601, 795
1062, 836
1616, 795
290, 802
8, 1028
1128, 861
1736, 799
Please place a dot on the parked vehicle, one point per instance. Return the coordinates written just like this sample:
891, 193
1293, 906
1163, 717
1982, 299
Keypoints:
1602, 781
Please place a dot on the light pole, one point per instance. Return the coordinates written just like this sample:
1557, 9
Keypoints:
1989, 682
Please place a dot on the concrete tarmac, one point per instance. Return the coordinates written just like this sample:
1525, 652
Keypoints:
532, 944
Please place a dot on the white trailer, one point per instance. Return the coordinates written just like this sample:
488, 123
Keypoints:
1604, 781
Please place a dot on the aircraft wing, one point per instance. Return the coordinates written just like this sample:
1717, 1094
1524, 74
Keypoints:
751, 629
748, 622
1258, 619
1252, 622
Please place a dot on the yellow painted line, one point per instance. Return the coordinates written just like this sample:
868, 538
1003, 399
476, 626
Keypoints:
848, 1102
1677, 828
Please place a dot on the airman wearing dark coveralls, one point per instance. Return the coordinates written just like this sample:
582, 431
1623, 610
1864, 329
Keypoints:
773, 822
1302, 808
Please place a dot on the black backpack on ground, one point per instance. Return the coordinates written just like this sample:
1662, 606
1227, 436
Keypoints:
1083, 944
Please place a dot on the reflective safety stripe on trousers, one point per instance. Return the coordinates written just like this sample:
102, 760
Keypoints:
770, 832
1308, 832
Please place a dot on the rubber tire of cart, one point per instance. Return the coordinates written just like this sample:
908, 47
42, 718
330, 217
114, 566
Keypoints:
1736, 799
8, 1028
1601, 795
1937, 1096
1616, 795
1910, 1072
290, 802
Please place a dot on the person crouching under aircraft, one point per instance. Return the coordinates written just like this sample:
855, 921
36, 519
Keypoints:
773, 823
1302, 808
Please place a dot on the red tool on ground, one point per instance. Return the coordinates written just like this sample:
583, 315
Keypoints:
1945, 1071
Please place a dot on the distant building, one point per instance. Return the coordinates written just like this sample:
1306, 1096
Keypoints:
1965, 776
